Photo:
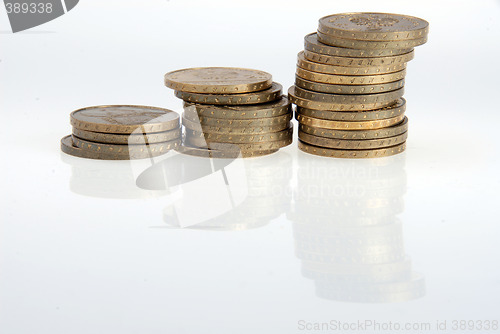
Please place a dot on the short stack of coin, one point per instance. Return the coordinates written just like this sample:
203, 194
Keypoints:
350, 82
122, 132
230, 112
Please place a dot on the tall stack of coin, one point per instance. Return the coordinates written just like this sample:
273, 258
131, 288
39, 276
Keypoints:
349, 84
122, 132
231, 111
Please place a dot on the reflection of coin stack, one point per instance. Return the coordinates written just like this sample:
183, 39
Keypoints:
347, 234
231, 110
349, 84
122, 132
268, 196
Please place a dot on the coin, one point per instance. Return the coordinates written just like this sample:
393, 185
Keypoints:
239, 138
340, 125
369, 45
311, 43
342, 99
124, 119
68, 148
348, 89
264, 146
391, 131
218, 80
374, 26
346, 70
388, 112
263, 96
239, 123
356, 154
126, 151
352, 144
196, 126
112, 138
358, 62
217, 154
371, 103
350, 79
264, 110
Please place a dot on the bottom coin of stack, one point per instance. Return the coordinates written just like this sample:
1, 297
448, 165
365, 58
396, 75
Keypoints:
122, 132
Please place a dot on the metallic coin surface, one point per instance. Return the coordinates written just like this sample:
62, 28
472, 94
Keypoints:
239, 138
390, 131
347, 99
388, 112
340, 125
264, 110
350, 79
218, 80
352, 144
126, 151
346, 70
348, 89
124, 119
271, 94
68, 148
358, 62
311, 43
113, 138
334, 106
264, 146
239, 123
217, 154
374, 26
369, 45
196, 126
353, 154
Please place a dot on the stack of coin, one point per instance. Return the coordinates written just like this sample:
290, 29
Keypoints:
349, 84
230, 112
122, 132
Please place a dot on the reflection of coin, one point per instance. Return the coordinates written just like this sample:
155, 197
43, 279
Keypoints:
311, 43
374, 26
114, 151
124, 119
265, 146
388, 112
352, 144
239, 123
268, 95
238, 138
391, 131
341, 125
196, 126
218, 80
369, 45
271, 109
346, 70
334, 153
210, 153
112, 138
350, 79
358, 62
348, 89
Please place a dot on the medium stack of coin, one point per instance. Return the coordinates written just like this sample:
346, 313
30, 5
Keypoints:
350, 82
230, 112
122, 132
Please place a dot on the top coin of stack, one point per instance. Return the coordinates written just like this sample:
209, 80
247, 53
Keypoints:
350, 82
122, 132
231, 111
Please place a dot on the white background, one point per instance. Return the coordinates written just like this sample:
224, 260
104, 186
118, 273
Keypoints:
76, 256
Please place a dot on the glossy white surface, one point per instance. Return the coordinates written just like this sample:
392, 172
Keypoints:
295, 239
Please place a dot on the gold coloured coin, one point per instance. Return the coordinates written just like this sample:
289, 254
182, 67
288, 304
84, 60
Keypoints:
217, 154
196, 126
124, 119
112, 138
358, 62
237, 138
240, 123
350, 79
340, 125
264, 146
353, 154
68, 148
271, 94
352, 144
346, 70
311, 43
271, 109
374, 26
347, 99
369, 45
392, 131
348, 89
218, 80
388, 112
